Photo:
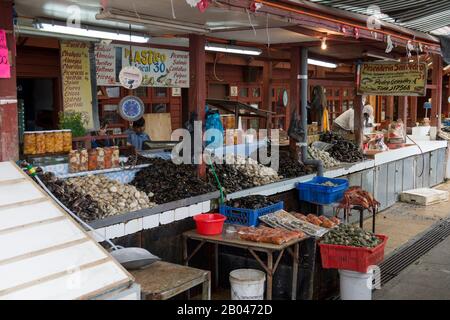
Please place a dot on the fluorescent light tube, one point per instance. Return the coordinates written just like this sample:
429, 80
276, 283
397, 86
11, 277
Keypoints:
233, 49
322, 63
170, 24
91, 33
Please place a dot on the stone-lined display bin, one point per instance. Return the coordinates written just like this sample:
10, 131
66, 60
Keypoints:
132, 222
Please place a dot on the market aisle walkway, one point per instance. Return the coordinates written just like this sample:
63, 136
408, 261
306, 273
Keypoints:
427, 279
403, 222
429, 276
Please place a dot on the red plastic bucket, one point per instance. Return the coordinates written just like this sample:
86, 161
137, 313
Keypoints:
209, 224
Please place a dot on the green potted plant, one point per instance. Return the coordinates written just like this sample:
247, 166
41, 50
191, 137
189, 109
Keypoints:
75, 121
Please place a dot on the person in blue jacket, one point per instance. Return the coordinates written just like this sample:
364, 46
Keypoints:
137, 135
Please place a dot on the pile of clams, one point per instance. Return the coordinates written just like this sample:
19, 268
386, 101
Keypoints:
349, 235
112, 196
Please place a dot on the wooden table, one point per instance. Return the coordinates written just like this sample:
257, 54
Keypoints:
163, 280
232, 240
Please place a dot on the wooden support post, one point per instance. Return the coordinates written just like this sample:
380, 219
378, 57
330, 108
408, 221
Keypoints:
402, 108
390, 108
413, 113
436, 93
448, 98
294, 103
267, 92
358, 120
197, 86
9, 138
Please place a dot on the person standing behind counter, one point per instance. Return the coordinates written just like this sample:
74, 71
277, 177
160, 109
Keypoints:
136, 135
345, 122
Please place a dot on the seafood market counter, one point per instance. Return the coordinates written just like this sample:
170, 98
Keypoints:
385, 176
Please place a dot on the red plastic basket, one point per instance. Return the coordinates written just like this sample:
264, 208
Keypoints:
209, 224
352, 258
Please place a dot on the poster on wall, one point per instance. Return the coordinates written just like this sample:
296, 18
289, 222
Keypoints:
160, 67
392, 79
76, 77
5, 68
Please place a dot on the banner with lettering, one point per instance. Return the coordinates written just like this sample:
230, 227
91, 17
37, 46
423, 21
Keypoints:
160, 67
76, 77
392, 79
5, 67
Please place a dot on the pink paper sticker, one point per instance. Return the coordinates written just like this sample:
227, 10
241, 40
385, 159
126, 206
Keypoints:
2, 39
5, 70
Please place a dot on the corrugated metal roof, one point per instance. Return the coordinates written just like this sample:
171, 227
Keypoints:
431, 16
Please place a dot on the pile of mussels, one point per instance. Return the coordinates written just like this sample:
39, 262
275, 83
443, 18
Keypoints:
251, 202
342, 150
83, 205
170, 182
231, 179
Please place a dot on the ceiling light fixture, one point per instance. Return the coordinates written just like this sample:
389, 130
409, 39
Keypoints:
169, 24
84, 31
321, 63
232, 49
323, 44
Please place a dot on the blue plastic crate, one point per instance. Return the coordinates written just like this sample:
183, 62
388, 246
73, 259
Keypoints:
248, 217
313, 191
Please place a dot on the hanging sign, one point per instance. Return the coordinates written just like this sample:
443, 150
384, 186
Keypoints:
76, 78
392, 79
131, 108
159, 67
130, 77
5, 67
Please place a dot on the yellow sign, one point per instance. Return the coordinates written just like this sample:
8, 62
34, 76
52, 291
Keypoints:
392, 79
76, 77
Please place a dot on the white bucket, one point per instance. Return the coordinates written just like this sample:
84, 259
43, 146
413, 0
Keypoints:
247, 284
355, 285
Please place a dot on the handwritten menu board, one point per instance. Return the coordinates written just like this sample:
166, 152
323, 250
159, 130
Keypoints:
160, 67
5, 68
77, 95
393, 79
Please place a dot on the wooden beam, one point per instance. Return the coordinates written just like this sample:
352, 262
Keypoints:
267, 91
404, 113
413, 113
197, 86
294, 88
448, 97
436, 94
327, 23
358, 119
9, 137
390, 108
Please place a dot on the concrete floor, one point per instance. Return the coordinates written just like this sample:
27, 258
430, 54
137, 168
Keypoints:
428, 277
403, 221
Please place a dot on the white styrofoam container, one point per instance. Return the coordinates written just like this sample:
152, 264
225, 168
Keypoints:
424, 196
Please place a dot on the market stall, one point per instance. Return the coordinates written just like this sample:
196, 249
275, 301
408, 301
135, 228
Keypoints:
263, 66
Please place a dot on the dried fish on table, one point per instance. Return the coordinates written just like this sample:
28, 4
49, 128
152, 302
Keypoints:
285, 220
268, 235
